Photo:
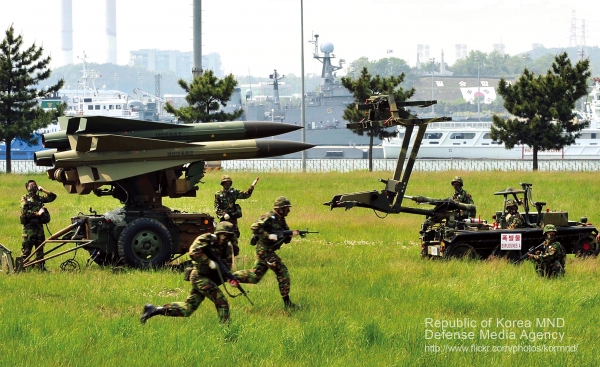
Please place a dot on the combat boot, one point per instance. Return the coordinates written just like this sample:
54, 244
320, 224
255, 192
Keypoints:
289, 304
150, 311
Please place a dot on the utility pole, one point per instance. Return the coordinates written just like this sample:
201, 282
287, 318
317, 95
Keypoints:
478, 92
432, 67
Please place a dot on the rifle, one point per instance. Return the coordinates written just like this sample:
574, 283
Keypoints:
285, 236
289, 233
224, 269
531, 251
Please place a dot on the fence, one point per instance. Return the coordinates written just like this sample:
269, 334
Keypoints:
428, 165
349, 165
23, 167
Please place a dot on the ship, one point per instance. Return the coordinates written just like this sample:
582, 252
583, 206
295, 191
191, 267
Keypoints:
324, 109
471, 140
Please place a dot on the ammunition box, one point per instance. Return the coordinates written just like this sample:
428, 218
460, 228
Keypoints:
559, 219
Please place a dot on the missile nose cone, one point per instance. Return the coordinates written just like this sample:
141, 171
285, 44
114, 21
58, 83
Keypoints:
264, 129
273, 148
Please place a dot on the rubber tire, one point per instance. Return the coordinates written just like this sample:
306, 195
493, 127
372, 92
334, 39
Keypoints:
145, 242
583, 254
463, 251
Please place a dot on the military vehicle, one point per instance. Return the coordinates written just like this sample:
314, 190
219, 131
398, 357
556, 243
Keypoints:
447, 237
443, 233
139, 163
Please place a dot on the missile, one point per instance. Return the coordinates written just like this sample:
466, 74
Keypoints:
44, 157
100, 159
186, 133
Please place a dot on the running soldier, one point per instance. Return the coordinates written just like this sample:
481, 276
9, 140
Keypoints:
205, 277
268, 238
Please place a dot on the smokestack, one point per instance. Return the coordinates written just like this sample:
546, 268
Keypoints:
197, 16
67, 31
111, 31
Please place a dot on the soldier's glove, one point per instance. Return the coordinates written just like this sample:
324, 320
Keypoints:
40, 188
226, 216
212, 265
234, 283
273, 237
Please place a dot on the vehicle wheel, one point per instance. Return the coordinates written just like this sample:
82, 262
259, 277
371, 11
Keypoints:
145, 242
463, 251
587, 246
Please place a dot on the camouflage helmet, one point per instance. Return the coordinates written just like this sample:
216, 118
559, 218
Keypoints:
225, 178
457, 179
282, 202
549, 228
224, 227
510, 203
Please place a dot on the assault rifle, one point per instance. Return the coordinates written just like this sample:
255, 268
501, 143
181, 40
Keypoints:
290, 232
224, 270
532, 250
285, 237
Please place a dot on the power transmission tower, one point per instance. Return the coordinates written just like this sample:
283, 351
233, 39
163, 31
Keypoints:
573, 39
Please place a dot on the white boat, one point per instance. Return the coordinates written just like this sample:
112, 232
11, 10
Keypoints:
88, 100
472, 140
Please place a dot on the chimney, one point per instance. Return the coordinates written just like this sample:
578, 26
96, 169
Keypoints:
111, 31
197, 20
67, 31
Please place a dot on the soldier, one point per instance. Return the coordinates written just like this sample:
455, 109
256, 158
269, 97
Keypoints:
33, 217
267, 242
205, 276
550, 261
462, 196
228, 210
514, 219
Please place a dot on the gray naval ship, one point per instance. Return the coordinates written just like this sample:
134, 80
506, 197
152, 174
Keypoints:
324, 109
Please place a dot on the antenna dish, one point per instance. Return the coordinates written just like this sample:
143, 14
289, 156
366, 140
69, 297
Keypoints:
327, 47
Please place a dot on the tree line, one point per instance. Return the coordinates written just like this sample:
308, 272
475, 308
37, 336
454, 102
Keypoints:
540, 103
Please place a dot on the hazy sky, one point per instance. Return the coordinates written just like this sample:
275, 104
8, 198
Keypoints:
257, 36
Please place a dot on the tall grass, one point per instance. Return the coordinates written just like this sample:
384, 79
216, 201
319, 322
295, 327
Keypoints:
365, 292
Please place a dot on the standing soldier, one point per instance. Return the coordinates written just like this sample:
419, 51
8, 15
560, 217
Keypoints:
33, 217
514, 219
267, 241
550, 261
461, 196
228, 210
205, 277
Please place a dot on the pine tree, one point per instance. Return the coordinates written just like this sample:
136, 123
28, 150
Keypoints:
21, 71
205, 97
363, 88
542, 107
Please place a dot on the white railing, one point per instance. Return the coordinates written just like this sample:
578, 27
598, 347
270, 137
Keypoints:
428, 165
349, 165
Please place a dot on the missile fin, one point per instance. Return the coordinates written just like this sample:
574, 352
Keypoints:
104, 173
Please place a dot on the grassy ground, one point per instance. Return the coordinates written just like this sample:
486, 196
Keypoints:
368, 299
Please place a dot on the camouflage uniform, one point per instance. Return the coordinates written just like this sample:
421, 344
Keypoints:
514, 221
550, 262
205, 281
463, 197
225, 204
266, 258
33, 230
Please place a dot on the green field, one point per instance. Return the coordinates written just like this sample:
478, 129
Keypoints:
368, 299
